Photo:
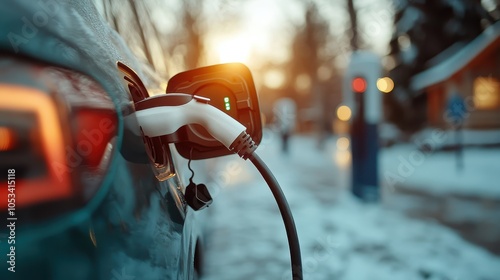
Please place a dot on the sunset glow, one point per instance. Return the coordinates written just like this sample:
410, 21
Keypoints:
233, 49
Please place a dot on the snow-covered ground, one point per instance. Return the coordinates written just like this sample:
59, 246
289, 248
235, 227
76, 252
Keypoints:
341, 238
436, 171
429, 184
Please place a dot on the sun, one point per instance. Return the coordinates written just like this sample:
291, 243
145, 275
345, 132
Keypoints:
233, 49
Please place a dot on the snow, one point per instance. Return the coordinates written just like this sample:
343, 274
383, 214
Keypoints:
341, 238
469, 137
436, 172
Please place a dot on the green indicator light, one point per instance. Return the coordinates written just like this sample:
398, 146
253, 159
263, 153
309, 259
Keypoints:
226, 102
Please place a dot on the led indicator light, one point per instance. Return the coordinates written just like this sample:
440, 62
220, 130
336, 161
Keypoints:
226, 102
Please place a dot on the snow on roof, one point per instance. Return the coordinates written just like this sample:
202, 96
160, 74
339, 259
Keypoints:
459, 60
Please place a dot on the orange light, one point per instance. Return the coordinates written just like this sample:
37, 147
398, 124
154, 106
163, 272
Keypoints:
359, 85
385, 84
7, 139
344, 113
57, 183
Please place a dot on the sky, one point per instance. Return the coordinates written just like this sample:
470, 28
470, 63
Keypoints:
265, 28
263, 31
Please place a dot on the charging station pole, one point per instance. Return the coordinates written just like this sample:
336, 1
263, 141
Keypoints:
360, 93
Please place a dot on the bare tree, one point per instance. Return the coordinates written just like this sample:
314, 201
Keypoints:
312, 63
135, 22
141, 21
353, 17
193, 38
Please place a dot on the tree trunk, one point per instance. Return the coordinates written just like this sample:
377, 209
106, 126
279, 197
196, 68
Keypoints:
354, 25
142, 31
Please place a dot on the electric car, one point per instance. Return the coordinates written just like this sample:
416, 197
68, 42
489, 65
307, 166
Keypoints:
94, 154
81, 196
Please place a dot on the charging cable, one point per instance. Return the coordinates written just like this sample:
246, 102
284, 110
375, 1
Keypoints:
286, 214
164, 114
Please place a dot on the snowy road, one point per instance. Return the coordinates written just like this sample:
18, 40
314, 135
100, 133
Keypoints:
340, 237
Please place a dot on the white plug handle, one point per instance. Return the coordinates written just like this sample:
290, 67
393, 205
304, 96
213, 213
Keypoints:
164, 120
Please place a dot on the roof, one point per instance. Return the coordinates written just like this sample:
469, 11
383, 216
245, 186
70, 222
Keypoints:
458, 60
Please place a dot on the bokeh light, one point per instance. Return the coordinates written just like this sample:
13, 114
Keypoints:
343, 143
359, 85
385, 84
274, 79
303, 83
344, 113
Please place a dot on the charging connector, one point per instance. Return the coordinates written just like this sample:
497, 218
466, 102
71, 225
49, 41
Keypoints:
165, 114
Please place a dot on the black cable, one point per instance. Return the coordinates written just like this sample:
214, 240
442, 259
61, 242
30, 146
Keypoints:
189, 165
286, 214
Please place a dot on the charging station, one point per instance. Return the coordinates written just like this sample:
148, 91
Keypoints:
361, 95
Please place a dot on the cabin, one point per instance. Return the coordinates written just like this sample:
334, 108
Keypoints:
470, 71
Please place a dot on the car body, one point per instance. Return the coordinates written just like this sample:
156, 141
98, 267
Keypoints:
81, 196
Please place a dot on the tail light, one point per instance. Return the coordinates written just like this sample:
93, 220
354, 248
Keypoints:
56, 131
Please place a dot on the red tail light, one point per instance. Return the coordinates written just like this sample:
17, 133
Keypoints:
49, 144
57, 139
